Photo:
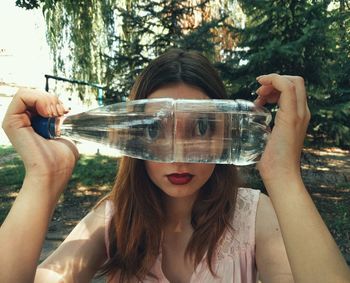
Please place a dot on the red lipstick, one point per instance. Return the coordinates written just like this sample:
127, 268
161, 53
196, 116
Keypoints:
180, 178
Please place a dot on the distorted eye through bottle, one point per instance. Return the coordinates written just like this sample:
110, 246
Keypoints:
153, 130
202, 126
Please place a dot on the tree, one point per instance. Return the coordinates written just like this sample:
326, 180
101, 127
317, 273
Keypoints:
109, 42
78, 33
332, 102
298, 38
149, 28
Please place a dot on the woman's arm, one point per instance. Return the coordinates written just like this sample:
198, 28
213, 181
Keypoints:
48, 166
271, 256
23, 232
312, 252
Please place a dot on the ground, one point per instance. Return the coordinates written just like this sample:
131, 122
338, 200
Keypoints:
326, 173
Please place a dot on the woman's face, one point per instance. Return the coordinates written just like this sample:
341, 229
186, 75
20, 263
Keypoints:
179, 179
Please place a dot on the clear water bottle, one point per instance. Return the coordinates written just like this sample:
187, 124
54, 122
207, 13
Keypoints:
170, 130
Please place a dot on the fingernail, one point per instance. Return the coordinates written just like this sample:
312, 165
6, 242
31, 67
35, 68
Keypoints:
49, 111
260, 77
59, 109
54, 111
66, 109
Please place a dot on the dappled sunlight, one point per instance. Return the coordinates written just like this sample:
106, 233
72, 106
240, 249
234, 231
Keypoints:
9, 166
329, 197
339, 188
43, 274
88, 191
12, 194
326, 162
103, 188
328, 151
61, 270
311, 167
338, 163
327, 171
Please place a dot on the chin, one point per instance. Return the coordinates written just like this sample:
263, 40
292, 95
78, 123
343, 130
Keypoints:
181, 192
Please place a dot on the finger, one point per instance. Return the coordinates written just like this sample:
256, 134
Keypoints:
267, 94
288, 99
271, 99
302, 105
260, 101
61, 108
266, 90
32, 100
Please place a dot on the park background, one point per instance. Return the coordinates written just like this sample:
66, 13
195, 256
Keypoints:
101, 46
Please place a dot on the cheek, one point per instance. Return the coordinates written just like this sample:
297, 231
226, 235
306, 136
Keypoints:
206, 171
153, 170
209, 168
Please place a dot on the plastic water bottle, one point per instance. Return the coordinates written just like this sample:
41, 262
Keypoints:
170, 130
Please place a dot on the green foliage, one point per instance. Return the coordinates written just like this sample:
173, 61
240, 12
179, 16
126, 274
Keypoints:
147, 30
109, 42
303, 38
28, 4
78, 33
6, 150
94, 171
292, 38
77, 26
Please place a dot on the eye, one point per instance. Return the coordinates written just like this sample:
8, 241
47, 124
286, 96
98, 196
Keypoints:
153, 130
202, 126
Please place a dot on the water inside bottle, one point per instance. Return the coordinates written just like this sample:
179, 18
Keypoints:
220, 132
205, 132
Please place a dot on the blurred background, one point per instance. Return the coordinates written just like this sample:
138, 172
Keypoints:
93, 50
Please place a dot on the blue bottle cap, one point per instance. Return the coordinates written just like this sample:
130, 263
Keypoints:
45, 127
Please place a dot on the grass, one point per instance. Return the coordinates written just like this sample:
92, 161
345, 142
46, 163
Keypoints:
6, 150
11, 169
92, 178
11, 177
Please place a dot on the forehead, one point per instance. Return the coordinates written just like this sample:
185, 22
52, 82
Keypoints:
179, 91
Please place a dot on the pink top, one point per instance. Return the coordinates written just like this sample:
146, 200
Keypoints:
235, 257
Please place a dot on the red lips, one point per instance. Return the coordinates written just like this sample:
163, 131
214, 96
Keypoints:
180, 179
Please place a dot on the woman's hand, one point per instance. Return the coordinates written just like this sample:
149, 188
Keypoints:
312, 252
52, 159
281, 158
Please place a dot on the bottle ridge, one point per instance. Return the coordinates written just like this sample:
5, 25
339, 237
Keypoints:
170, 130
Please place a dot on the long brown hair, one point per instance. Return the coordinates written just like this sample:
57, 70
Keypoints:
139, 215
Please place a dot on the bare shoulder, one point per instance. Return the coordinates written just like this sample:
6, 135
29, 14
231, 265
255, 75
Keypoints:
80, 255
271, 256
